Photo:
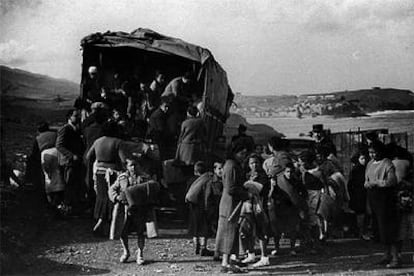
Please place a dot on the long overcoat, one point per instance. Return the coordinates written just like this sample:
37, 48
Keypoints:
233, 193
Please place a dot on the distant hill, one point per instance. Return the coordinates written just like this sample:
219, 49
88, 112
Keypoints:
377, 99
22, 84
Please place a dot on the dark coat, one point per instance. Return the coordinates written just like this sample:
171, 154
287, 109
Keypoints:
90, 90
91, 133
157, 126
357, 192
244, 140
45, 140
191, 141
233, 193
69, 143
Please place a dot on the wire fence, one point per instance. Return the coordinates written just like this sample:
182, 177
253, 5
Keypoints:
347, 143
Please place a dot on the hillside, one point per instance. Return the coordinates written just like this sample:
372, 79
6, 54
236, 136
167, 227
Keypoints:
22, 84
365, 100
377, 99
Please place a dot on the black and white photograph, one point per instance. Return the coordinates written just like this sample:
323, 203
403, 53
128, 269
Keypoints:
207, 137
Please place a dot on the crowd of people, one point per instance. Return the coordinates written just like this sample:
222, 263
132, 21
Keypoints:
302, 198
253, 193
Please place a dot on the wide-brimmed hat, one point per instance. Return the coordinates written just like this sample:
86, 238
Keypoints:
317, 128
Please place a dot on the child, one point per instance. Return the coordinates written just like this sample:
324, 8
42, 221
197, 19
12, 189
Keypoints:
289, 206
198, 199
217, 189
257, 213
132, 206
357, 192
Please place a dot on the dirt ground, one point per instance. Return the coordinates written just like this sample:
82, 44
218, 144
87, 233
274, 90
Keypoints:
33, 242
67, 247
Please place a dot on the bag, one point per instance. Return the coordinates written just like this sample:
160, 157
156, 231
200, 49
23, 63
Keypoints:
327, 206
151, 226
152, 231
171, 173
405, 201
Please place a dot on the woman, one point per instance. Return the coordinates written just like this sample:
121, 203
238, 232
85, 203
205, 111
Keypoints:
107, 153
357, 192
381, 183
404, 174
230, 204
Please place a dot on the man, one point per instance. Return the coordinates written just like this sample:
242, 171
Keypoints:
91, 88
243, 138
179, 93
157, 88
322, 139
70, 150
157, 129
45, 139
191, 143
179, 88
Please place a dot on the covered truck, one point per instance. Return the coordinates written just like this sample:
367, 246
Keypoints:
146, 51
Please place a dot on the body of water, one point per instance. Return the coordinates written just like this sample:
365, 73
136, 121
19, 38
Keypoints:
395, 121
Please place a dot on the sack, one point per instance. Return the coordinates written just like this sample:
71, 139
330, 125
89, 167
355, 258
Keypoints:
152, 231
405, 201
171, 173
327, 206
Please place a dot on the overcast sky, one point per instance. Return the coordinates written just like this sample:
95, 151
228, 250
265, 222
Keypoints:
266, 47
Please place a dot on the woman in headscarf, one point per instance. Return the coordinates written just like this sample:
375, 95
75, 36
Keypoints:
230, 206
381, 183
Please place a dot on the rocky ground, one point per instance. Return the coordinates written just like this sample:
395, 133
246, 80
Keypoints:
34, 242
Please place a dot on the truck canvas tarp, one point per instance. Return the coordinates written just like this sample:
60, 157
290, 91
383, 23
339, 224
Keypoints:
147, 51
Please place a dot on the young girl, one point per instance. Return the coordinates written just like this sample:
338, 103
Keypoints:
257, 213
357, 192
134, 194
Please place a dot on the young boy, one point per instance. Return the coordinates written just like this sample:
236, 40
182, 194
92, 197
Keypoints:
289, 206
134, 193
198, 197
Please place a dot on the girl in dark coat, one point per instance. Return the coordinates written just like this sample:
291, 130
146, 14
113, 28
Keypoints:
230, 205
357, 192
381, 182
